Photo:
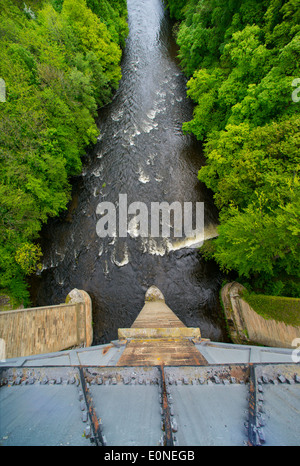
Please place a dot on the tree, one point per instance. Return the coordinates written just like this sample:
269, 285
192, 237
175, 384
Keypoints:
67, 62
242, 57
27, 256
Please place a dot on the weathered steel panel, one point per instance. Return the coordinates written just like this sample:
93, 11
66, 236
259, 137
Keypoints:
127, 405
41, 407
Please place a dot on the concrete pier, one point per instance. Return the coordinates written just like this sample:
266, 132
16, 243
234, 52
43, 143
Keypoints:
158, 336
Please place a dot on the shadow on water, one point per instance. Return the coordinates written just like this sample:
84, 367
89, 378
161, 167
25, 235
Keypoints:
141, 152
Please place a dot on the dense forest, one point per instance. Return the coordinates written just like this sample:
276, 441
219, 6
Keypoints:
60, 62
242, 58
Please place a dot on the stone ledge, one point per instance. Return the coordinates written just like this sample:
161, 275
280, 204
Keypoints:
47, 329
247, 327
151, 333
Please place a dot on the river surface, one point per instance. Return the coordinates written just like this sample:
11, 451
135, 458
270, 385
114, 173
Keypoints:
141, 152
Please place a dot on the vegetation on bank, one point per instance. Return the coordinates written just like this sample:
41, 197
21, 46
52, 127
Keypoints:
60, 60
278, 308
243, 61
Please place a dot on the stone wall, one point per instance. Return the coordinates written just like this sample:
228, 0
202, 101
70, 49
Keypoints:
26, 332
246, 326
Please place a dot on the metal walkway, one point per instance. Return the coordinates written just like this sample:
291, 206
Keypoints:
231, 404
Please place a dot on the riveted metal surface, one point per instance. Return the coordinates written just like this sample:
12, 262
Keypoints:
253, 439
166, 412
208, 404
278, 404
228, 404
41, 407
206, 374
127, 401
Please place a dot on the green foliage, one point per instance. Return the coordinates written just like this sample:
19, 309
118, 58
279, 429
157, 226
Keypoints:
253, 165
60, 62
209, 24
243, 56
176, 8
255, 176
114, 16
27, 256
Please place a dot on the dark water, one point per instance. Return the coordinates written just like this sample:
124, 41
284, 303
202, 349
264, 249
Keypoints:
143, 153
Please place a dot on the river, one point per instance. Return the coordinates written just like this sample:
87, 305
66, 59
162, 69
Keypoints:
141, 152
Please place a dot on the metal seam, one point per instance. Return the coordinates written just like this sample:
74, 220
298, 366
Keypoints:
168, 442
98, 438
253, 439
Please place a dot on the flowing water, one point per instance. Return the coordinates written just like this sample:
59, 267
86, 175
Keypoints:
141, 152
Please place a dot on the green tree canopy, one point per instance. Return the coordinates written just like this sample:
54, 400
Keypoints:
242, 57
60, 61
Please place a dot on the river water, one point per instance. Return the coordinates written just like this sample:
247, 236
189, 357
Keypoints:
141, 152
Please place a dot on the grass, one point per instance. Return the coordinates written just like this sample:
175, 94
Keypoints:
5, 304
279, 308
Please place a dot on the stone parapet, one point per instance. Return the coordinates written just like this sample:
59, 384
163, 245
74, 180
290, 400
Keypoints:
47, 329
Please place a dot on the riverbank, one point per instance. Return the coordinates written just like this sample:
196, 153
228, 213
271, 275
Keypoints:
246, 326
